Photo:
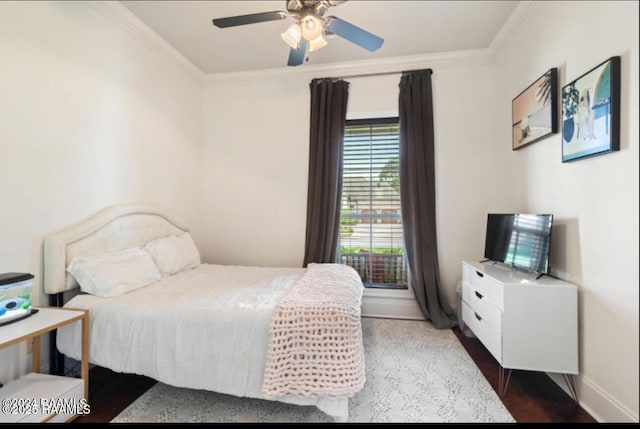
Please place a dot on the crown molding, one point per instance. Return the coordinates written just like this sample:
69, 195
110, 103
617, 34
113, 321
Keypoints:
521, 15
118, 14
349, 69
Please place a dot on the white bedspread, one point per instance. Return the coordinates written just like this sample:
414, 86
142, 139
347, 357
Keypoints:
205, 328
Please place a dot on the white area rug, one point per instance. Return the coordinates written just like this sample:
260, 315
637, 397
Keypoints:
415, 373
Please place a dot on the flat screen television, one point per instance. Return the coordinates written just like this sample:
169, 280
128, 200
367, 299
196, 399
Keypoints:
519, 240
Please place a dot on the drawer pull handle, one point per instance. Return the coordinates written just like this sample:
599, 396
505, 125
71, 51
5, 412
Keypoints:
479, 274
477, 316
478, 294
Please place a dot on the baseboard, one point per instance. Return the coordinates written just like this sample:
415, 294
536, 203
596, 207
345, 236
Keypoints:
594, 400
391, 307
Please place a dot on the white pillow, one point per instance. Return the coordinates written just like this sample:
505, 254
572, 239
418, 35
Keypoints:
174, 254
114, 273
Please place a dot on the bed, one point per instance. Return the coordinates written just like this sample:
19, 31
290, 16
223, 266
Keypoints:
243, 331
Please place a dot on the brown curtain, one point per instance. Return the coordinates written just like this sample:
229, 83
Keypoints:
418, 196
326, 141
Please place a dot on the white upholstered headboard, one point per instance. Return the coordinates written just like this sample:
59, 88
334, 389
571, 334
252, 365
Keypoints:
113, 228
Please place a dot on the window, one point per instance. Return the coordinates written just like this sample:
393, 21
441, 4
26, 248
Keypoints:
371, 239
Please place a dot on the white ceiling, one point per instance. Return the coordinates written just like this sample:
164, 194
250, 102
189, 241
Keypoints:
408, 28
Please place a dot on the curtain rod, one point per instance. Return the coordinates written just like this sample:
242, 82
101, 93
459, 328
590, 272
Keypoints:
382, 73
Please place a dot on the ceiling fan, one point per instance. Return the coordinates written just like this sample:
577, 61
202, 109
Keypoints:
307, 34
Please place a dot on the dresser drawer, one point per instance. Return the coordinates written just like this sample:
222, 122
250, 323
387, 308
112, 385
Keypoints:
484, 284
490, 336
481, 305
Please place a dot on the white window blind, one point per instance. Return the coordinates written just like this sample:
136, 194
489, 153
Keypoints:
371, 239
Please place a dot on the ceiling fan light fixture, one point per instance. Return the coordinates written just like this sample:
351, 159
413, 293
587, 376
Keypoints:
317, 43
311, 26
292, 36
311, 30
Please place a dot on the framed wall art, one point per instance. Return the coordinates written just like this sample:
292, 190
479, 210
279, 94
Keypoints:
534, 112
591, 112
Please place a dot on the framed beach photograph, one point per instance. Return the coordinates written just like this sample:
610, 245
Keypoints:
534, 112
591, 112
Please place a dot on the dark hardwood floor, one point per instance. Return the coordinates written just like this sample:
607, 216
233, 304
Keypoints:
111, 392
532, 397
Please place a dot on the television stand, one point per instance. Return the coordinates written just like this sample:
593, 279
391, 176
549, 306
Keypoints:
525, 323
484, 260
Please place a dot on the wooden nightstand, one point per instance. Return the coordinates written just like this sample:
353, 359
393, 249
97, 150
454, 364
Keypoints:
32, 397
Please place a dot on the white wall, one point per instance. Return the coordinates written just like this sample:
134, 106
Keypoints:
89, 117
255, 159
255, 173
595, 201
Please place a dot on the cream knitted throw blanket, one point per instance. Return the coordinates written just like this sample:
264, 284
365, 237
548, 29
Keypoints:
315, 346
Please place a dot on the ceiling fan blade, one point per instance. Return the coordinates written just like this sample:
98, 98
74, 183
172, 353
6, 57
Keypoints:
253, 18
296, 56
354, 34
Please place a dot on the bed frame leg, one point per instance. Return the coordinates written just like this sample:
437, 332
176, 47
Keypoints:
56, 365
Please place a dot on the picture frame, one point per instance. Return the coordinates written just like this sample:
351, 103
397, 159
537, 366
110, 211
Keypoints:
591, 112
534, 112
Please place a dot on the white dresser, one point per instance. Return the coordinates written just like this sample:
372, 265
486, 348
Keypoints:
526, 323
